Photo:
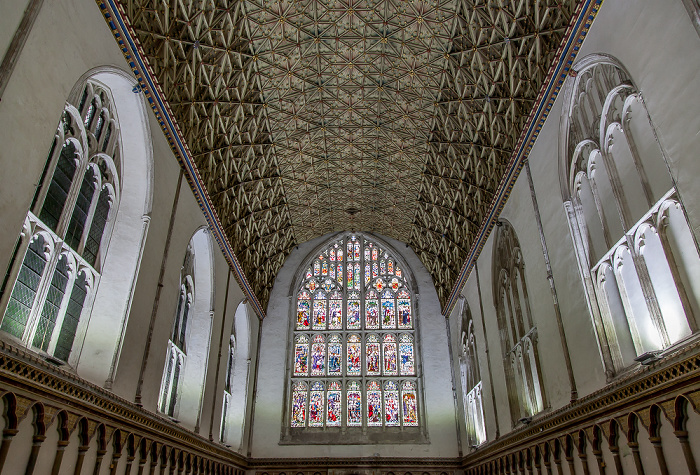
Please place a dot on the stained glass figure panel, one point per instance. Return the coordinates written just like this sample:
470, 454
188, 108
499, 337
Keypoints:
340, 312
335, 314
319, 313
301, 356
372, 311
389, 354
409, 404
303, 311
335, 355
408, 365
391, 404
374, 404
334, 416
372, 355
316, 405
299, 405
388, 310
318, 356
354, 313
354, 404
354, 355
404, 306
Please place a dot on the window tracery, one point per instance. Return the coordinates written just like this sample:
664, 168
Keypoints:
517, 329
626, 220
177, 348
353, 361
58, 260
471, 382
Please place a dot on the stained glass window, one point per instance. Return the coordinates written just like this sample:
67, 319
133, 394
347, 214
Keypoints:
354, 352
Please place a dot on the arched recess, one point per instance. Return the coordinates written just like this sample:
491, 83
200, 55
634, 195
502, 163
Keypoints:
100, 356
626, 219
79, 235
471, 382
185, 371
237, 377
518, 332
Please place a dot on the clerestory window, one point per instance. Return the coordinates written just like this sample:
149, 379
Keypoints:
636, 253
354, 360
58, 259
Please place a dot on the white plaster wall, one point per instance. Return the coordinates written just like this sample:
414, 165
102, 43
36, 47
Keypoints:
269, 402
637, 34
12, 11
29, 112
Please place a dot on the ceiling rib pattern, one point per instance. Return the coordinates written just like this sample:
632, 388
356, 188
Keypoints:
311, 116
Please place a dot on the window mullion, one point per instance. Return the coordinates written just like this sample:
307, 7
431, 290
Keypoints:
90, 216
58, 325
41, 293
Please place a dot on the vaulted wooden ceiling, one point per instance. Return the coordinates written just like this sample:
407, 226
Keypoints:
311, 116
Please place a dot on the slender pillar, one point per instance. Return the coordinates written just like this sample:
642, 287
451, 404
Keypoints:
634, 446
486, 350
552, 287
129, 462
82, 450
658, 449
615, 450
37, 440
682, 436
159, 288
7, 435
218, 359
98, 461
58, 458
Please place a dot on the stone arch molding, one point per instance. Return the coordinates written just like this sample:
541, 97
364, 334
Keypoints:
517, 328
108, 128
237, 377
637, 257
363, 302
185, 370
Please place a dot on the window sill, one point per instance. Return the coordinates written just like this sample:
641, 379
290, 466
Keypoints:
354, 436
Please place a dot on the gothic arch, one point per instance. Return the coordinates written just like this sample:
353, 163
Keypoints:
517, 330
353, 359
96, 181
471, 382
185, 371
237, 377
618, 195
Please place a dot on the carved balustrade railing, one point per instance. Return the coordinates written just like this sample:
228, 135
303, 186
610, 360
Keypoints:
645, 422
111, 435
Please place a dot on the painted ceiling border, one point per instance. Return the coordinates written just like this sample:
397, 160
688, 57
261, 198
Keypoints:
128, 42
565, 56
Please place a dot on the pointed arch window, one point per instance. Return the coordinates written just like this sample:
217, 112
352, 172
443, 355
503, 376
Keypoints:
637, 256
58, 259
470, 377
227, 389
177, 349
354, 360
